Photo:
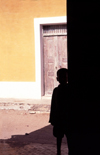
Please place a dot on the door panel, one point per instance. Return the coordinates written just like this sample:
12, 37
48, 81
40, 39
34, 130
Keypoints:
55, 54
55, 57
50, 59
62, 51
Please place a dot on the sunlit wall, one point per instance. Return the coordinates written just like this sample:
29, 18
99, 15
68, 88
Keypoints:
17, 44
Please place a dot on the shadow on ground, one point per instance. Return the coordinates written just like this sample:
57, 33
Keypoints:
41, 136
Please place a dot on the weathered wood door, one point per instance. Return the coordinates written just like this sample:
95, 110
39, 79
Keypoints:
55, 55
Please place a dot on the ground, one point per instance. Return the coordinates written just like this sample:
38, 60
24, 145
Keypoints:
25, 133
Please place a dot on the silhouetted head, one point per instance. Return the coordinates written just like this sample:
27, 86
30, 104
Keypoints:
62, 75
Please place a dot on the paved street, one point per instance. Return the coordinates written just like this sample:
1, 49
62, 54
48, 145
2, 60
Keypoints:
27, 133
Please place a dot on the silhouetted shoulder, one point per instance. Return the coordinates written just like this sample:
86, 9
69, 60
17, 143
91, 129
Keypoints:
55, 89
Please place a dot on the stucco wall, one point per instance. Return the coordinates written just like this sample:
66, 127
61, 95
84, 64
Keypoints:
17, 44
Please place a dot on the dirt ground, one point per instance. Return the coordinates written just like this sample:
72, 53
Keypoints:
22, 132
15, 122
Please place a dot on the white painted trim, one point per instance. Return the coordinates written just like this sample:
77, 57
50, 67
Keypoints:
38, 24
51, 20
31, 90
27, 90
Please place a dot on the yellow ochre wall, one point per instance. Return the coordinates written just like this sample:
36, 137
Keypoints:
17, 44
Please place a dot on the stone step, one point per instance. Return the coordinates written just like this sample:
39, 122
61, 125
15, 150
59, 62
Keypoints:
39, 105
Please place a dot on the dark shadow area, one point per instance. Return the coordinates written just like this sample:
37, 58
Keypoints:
42, 136
84, 77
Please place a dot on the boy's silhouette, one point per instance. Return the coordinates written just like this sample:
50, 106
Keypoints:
58, 114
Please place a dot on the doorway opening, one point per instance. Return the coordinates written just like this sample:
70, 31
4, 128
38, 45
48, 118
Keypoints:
54, 54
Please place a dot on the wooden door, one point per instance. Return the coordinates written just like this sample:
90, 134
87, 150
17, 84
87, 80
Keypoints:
55, 57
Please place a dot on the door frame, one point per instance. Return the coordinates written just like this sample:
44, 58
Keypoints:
38, 27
